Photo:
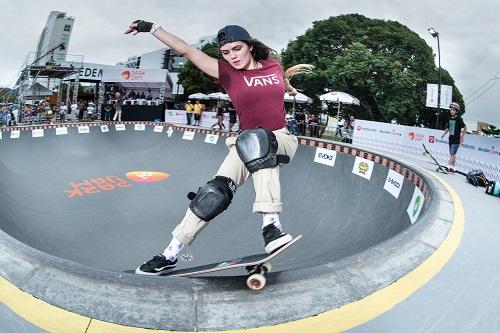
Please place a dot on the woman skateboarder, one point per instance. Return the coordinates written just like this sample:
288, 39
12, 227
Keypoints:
256, 85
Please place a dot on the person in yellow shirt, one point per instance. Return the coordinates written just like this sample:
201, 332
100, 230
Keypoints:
189, 111
197, 113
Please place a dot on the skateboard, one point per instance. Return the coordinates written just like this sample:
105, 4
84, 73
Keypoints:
440, 168
256, 266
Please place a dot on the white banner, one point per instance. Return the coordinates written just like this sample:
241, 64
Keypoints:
208, 118
134, 75
415, 206
394, 183
476, 152
37, 133
325, 156
363, 167
61, 130
432, 96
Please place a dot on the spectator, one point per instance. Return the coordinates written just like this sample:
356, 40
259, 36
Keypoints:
118, 107
220, 115
107, 111
189, 111
349, 129
197, 113
313, 125
74, 111
232, 118
63, 110
454, 128
90, 111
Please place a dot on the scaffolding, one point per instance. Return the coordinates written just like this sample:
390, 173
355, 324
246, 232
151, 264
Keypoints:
45, 70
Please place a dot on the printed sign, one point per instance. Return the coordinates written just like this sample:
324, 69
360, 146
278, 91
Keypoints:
363, 167
0, 135
83, 129
104, 128
139, 127
211, 138
61, 131
15, 134
158, 129
120, 127
37, 133
415, 206
394, 183
188, 135
325, 156
432, 96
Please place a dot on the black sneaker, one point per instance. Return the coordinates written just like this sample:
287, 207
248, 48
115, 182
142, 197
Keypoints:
274, 238
156, 266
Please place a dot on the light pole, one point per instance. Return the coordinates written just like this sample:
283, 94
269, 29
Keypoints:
435, 34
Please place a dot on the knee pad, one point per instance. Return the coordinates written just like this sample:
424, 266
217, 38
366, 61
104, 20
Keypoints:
257, 149
212, 198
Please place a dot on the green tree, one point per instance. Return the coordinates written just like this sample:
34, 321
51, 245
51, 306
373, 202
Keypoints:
194, 80
383, 63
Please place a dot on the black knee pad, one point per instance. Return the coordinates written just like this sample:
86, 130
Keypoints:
212, 198
257, 149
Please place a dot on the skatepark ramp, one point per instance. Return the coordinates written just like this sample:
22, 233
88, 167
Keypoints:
79, 205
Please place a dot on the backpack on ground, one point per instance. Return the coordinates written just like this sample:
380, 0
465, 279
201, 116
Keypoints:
493, 188
477, 178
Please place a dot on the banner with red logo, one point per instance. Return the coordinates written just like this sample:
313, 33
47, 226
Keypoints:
134, 75
476, 152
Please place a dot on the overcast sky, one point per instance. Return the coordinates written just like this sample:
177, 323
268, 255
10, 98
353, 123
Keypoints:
469, 32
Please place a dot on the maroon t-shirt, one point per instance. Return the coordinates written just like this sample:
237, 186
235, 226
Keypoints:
257, 94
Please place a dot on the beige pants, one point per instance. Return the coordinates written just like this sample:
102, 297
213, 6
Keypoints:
266, 183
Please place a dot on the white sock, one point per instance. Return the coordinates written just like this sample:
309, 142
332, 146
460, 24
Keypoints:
173, 249
271, 218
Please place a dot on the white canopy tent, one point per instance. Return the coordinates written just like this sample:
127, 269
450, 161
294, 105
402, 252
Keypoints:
299, 98
219, 96
339, 97
198, 96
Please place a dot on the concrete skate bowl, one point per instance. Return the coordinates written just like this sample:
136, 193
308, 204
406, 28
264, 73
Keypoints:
81, 205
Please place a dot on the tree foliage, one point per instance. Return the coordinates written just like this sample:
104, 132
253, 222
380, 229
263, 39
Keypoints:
382, 63
194, 80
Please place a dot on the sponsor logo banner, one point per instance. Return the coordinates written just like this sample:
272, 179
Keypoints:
120, 127
37, 133
83, 129
104, 128
15, 134
147, 176
208, 118
211, 138
139, 127
61, 131
476, 152
363, 167
0, 135
415, 206
394, 183
158, 129
325, 156
188, 135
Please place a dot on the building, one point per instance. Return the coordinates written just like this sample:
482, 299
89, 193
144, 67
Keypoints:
57, 31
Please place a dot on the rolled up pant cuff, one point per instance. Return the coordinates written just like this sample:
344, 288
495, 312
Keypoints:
264, 207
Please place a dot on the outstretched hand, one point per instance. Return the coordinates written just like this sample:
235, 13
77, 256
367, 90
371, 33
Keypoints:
139, 26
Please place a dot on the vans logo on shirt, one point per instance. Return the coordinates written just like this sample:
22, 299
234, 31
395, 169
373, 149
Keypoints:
264, 80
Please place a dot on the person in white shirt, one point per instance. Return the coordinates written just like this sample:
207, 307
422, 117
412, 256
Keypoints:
74, 111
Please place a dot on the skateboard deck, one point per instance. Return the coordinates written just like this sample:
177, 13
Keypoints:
440, 168
257, 266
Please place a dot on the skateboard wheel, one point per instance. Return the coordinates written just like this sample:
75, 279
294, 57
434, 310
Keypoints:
256, 281
267, 267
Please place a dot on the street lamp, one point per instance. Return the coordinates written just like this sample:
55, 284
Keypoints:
435, 34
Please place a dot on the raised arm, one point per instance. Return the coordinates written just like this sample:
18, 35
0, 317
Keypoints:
204, 62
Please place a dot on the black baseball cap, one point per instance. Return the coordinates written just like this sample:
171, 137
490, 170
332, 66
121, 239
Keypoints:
232, 33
